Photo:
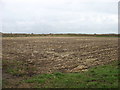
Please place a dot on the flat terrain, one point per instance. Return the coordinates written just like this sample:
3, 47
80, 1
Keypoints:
29, 56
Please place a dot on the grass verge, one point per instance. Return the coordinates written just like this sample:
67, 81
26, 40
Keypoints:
105, 76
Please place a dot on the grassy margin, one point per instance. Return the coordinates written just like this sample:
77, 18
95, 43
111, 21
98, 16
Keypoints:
105, 76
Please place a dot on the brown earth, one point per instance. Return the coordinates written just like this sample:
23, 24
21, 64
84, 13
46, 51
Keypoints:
36, 55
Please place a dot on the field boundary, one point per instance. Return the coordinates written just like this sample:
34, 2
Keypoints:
58, 35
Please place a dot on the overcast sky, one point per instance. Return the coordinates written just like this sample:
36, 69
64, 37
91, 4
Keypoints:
59, 16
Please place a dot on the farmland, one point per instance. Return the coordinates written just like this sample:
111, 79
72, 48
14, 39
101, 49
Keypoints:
26, 57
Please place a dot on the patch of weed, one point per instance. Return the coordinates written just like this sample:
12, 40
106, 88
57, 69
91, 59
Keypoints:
105, 76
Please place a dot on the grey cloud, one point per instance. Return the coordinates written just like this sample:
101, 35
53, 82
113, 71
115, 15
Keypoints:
64, 17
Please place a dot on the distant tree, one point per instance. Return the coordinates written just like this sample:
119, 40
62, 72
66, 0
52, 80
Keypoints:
94, 34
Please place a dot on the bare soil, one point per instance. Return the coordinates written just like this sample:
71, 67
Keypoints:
37, 55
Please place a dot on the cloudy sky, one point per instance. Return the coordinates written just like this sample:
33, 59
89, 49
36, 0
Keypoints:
59, 16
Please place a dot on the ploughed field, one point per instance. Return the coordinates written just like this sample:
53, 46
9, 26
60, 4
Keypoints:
36, 55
